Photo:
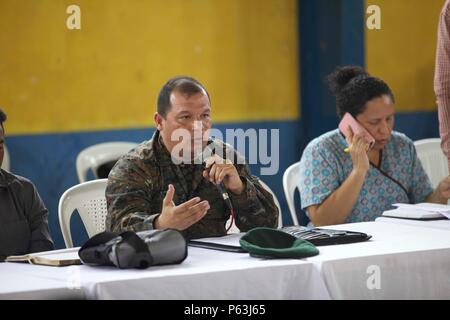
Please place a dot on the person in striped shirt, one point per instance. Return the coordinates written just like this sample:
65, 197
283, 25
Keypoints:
442, 78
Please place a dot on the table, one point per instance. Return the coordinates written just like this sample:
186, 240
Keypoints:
25, 281
208, 274
399, 262
205, 274
411, 262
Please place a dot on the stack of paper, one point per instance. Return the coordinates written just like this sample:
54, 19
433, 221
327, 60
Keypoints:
421, 211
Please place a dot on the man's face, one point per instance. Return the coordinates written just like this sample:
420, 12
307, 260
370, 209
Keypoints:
2, 144
191, 113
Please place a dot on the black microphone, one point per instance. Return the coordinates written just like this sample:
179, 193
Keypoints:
223, 192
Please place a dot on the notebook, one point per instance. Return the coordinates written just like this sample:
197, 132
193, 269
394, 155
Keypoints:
56, 258
228, 243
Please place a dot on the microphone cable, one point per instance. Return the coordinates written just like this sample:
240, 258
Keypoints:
223, 192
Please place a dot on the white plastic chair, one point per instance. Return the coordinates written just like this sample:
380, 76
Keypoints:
98, 154
290, 183
88, 198
433, 159
5, 163
235, 229
277, 203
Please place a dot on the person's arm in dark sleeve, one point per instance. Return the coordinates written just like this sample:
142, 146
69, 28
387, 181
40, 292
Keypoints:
254, 207
129, 195
37, 215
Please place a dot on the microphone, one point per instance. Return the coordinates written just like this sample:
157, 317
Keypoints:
224, 194
221, 188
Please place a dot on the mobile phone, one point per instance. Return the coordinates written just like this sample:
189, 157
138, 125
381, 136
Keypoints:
357, 128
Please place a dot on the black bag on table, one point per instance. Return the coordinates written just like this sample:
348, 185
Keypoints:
134, 250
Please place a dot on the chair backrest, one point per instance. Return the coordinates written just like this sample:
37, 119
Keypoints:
290, 183
235, 229
88, 198
277, 203
94, 156
433, 159
5, 163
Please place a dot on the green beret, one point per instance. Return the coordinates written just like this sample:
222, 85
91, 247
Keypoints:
272, 243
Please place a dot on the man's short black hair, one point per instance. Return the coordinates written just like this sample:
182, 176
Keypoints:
2, 119
182, 84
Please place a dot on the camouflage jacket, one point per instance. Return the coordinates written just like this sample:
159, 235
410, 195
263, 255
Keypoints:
138, 182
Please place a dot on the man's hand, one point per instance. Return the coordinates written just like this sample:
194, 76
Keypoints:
220, 170
182, 216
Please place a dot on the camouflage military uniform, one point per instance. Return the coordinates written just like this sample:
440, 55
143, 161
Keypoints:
138, 184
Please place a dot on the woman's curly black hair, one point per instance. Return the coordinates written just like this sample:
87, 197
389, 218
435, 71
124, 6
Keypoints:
353, 88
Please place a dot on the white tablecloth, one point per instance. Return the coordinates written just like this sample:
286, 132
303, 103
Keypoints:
208, 274
406, 262
437, 224
24, 281
205, 274
413, 263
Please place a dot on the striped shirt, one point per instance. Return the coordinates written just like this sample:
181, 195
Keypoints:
442, 78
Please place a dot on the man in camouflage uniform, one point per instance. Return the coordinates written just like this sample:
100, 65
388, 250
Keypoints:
148, 190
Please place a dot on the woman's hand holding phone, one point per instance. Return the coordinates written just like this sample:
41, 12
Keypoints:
359, 141
348, 122
358, 151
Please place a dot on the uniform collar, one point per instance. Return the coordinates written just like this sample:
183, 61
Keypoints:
162, 154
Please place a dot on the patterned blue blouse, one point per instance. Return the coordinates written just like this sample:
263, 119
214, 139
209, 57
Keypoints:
400, 178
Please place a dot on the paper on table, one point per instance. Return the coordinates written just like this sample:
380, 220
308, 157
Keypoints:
409, 213
230, 240
426, 206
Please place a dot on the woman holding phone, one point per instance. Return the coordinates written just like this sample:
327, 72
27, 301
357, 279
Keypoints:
342, 180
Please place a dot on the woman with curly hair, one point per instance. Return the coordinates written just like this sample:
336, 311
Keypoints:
342, 187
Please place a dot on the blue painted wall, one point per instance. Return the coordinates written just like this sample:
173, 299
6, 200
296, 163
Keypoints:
331, 34
49, 160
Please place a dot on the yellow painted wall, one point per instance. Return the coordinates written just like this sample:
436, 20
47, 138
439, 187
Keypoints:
108, 74
403, 51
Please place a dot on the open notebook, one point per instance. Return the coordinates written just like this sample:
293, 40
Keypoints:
420, 211
57, 258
